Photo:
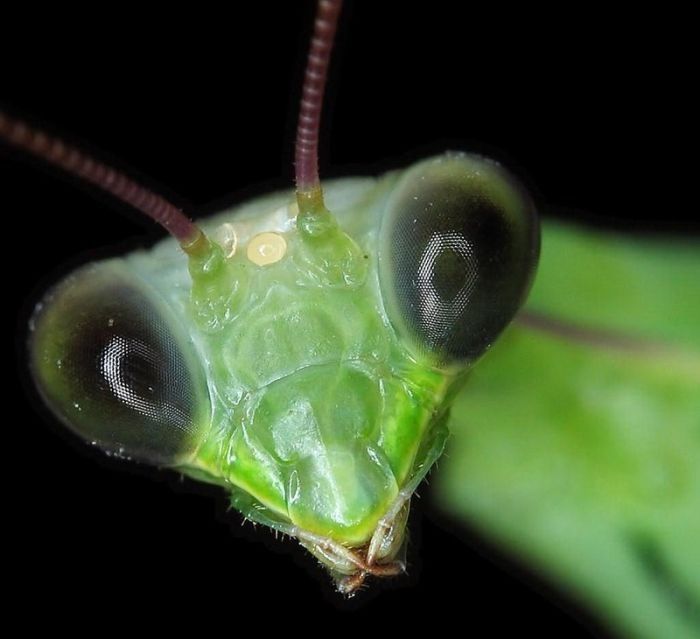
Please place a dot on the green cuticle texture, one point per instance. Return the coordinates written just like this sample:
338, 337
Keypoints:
318, 414
288, 365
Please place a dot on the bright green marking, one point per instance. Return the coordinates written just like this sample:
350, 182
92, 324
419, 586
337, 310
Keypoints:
583, 459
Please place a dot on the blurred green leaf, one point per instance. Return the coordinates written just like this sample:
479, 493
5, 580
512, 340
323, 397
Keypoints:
576, 441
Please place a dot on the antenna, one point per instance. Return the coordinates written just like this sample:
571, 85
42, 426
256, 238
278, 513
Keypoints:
56, 152
309, 193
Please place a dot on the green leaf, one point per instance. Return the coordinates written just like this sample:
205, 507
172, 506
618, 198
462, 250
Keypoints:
576, 441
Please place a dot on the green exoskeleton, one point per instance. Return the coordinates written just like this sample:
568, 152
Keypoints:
301, 351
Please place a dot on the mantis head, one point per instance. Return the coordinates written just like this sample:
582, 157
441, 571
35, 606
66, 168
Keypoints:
304, 360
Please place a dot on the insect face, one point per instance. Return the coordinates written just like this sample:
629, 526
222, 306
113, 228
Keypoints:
307, 375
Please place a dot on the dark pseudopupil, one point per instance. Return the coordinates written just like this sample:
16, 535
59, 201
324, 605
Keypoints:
129, 373
111, 367
450, 268
130, 370
461, 259
440, 278
445, 281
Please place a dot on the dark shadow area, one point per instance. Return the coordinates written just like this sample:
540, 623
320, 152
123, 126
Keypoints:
522, 583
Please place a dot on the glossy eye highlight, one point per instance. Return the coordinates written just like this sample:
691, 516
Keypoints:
458, 248
116, 368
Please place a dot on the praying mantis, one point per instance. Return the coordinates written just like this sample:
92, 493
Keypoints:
372, 137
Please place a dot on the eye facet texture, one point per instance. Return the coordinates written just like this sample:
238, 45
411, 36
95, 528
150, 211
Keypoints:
458, 249
115, 368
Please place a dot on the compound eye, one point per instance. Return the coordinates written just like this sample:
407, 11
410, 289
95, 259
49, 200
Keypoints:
117, 368
458, 249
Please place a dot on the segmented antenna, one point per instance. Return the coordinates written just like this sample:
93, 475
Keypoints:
309, 194
56, 152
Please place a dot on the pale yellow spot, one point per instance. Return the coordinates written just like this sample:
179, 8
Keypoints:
266, 248
227, 238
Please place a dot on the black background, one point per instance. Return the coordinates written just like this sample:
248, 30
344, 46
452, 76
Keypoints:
587, 106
